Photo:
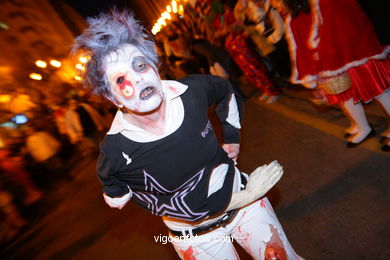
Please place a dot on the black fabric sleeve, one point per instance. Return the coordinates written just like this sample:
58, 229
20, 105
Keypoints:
106, 169
219, 91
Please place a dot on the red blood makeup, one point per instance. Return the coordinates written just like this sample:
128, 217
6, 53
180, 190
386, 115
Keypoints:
125, 86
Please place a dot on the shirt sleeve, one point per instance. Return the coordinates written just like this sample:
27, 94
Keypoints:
107, 165
219, 91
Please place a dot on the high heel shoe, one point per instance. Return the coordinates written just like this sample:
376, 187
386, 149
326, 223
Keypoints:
385, 141
353, 131
353, 145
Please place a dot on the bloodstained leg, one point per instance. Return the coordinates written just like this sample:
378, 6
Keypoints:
274, 249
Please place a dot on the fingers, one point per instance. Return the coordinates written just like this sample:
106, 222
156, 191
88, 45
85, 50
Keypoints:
232, 150
276, 177
265, 177
275, 174
271, 169
118, 203
234, 159
258, 170
233, 156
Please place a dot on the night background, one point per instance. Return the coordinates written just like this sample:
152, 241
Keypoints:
146, 11
332, 201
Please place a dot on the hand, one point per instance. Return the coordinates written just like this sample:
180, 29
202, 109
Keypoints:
232, 150
260, 182
264, 178
118, 203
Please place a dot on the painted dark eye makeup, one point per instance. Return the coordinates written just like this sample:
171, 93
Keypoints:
140, 64
120, 79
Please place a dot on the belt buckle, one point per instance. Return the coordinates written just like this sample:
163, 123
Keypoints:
223, 221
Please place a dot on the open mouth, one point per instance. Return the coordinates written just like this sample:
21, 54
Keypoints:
146, 93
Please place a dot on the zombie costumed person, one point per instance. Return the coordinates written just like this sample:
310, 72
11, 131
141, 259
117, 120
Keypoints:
198, 191
333, 45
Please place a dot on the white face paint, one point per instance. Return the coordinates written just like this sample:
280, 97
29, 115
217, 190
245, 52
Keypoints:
134, 82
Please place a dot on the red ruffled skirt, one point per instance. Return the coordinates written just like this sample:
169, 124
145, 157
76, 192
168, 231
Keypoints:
369, 81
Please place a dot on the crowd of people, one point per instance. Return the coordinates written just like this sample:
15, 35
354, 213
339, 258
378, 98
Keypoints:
330, 48
228, 39
38, 154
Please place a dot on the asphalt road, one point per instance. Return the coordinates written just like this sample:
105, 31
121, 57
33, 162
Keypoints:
333, 202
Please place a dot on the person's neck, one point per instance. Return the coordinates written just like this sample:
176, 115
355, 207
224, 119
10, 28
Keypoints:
153, 122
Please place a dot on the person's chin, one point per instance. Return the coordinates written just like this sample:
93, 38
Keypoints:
151, 106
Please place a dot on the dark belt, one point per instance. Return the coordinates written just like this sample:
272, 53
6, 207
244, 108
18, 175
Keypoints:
222, 222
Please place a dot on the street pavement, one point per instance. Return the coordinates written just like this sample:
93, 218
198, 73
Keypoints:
333, 202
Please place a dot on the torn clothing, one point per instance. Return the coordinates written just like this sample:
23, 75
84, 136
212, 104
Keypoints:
252, 228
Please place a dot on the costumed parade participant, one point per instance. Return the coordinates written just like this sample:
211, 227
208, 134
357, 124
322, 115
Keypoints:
161, 151
333, 45
230, 33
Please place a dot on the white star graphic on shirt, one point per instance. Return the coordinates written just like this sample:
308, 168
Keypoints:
128, 159
177, 207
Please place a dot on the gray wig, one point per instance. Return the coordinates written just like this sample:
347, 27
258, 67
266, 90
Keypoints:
106, 33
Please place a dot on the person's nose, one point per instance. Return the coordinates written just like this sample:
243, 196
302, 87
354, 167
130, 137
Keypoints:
135, 78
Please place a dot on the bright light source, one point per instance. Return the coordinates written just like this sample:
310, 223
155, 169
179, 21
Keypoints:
169, 9
41, 64
181, 9
35, 76
174, 6
5, 98
4, 26
55, 63
160, 22
78, 78
79, 66
165, 15
83, 59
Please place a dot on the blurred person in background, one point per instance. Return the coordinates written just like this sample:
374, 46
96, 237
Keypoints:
11, 221
268, 31
61, 131
91, 120
45, 149
178, 51
12, 168
83, 123
74, 129
229, 32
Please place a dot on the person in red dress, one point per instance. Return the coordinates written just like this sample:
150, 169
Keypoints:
334, 41
235, 42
